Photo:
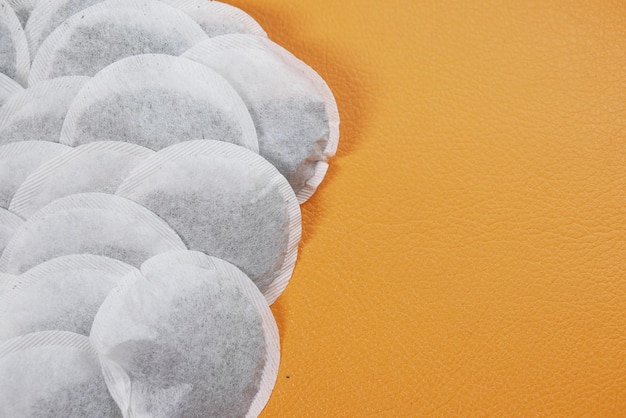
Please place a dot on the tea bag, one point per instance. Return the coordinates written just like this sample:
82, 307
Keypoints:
155, 101
217, 18
8, 87
9, 223
14, 58
60, 294
293, 109
22, 9
227, 202
37, 113
95, 167
18, 160
109, 31
52, 374
89, 223
188, 342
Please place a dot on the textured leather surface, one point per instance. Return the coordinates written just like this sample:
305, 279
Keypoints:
466, 254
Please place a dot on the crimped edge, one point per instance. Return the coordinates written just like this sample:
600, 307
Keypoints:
22, 57
8, 88
31, 187
63, 339
210, 147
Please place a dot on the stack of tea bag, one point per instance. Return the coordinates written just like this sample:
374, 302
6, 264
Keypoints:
153, 157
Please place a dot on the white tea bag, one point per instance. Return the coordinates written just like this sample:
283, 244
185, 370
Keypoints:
109, 31
9, 223
217, 18
18, 160
37, 113
227, 202
8, 87
22, 9
60, 294
52, 374
94, 167
155, 101
293, 109
89, 223
188, 342
14, 58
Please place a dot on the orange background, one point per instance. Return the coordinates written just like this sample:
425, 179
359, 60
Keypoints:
466, 253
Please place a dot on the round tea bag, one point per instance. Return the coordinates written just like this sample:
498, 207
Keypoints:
188, 342
37, 113
109, 31
22, 9
52, 374
217, 18
293, 109
155, 101
9, 223
8, 87
14, 58
94, 167
89, 223
18, 160
227, 202
60, 294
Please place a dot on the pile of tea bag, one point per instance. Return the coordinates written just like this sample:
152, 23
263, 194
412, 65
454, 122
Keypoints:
153, 158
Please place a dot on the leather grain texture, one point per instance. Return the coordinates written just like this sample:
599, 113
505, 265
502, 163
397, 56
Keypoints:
465, 255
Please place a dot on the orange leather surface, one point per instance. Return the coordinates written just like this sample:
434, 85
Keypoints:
466, 254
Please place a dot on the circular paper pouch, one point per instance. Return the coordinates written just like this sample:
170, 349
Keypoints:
157, 100
14, 58
95, 167
227, 202
60, 294
37, 113
109, 31
52, 374
187, 341
8, 87
18, 160
89, 223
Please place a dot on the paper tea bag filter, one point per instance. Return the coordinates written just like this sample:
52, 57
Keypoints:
37, 113
94, 167
109, 31
8, 87
52, 374
22, 9
14, 58
60, 294
18, 160
188, 342
89, 223
157, 100
227, 202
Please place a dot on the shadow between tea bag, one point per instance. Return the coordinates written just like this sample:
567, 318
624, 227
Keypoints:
18, 160
227, 202
293, 109
9, 223
95, 167
8, 87
89, 223
22, 9
53, 374
109, 31
60, 294
141, 99
14, 58
38, 112
188, 342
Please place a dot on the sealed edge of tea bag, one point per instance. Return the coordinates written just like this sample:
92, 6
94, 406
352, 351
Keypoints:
9, 223
130, 68
6, 280
243, 42
38, 21
101, 201
22, 202
217, 10
8, 87
153, 10
48, 339
228, 150
43, 89
22, 57
22, 9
